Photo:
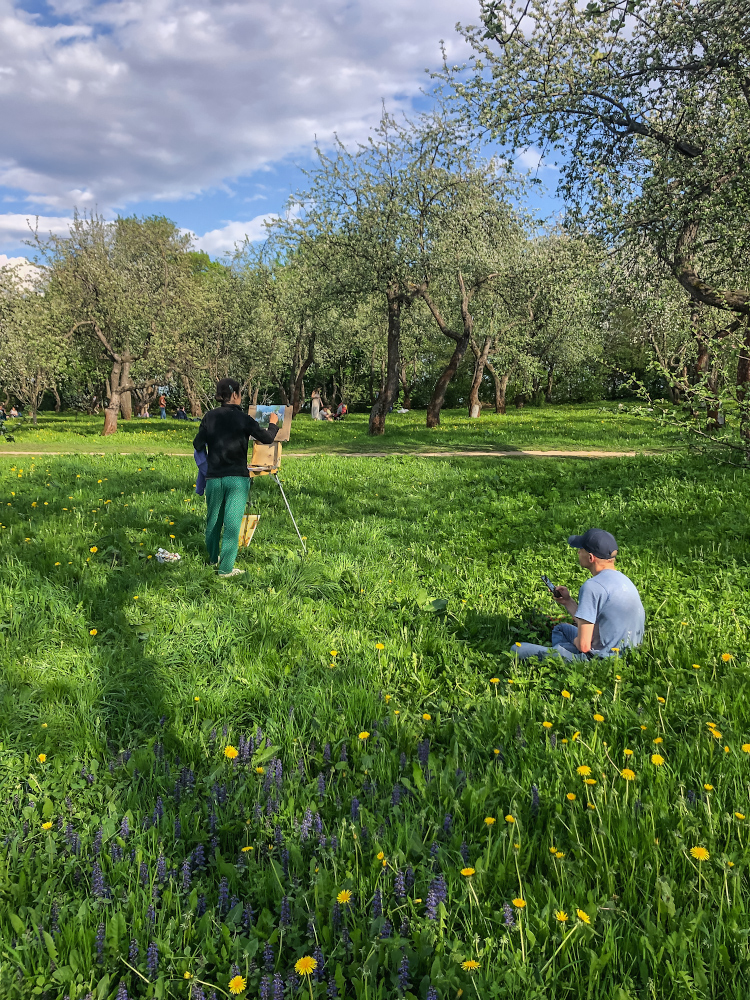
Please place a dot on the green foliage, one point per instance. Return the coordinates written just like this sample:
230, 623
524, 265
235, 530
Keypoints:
116, 717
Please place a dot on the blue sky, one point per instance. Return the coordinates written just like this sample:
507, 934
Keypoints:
201, 110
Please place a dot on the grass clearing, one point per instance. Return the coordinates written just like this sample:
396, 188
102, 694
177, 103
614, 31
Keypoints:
607, 426
171, 867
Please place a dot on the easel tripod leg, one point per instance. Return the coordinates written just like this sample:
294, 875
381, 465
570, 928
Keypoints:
302, 541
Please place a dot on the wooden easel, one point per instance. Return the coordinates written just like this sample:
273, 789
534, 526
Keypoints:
266, 460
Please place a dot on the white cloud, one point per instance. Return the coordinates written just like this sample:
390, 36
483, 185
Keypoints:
147, 99
26, 271
224, 240
15, 227
531, 159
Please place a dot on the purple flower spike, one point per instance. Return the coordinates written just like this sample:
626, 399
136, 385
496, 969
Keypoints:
509, 918
152, 959
403, 974
100, 942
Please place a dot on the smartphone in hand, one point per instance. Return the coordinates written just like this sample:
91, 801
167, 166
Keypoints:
549, 585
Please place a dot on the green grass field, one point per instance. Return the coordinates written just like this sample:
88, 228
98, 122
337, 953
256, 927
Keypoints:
595, 426
405, 801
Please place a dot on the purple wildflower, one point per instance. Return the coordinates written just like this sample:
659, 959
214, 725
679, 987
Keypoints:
152, 959
423, 753
100, 942
278, 987
306, 824
464, 849
54, 924
96, 845
377, 904
186, 876
161, 869
223, 893
265, 988
122, 992
327, 753
431, 906
268, 956
399, 885
177, 828
432, 994
279, 773
97, 882
403, 974
317, 823
199, 856
286, 913
508, 915
403, 930
285, 861
200, 907
387, 929
336, 916
355, 809
301, 767
333, 990
133, 951
247, 916
320, 959
321, 786
345, 938
440, 889
143, 873
409, 877
124, 828
396, 795
151, 914
334, 844
447, 823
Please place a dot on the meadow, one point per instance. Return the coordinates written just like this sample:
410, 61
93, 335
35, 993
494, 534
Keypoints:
330, 777
609, 426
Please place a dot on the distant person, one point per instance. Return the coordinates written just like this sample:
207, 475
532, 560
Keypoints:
163, 407
609, 615
315, 404
3, 414
13, 411
325, 414
180, 415
224, 434
341, 411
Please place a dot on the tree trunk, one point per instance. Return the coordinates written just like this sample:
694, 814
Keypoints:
550, 383
126, 401
389, 390
480, 360
501, 385
196, 410
58, 403
113, 405
438, 393
743, 383
298, 390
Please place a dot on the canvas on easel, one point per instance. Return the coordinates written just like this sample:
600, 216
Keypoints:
266, 458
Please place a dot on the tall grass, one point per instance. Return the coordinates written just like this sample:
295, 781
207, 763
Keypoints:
125, 683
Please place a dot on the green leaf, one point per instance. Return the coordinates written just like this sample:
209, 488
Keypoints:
47, 809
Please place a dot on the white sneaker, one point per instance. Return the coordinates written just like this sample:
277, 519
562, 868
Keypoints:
235, 572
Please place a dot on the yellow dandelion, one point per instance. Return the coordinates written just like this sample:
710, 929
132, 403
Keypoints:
467, 872
93, 549
305, 966
700, 853
565, 694
584, 770
496, 752
559, 854
726, 657
230, 752
519, 903
740, 815
187, 975
196, 698
388, 698
709, 788
726, 749
571, 797
344, 897
658, 740
583, 916
628, 752
379, 645
494, 680
334, 653
364, 735
470, 965
44, 725
547, 725
510, 819
48, 825
237, 985
553, 850
575, 736
746, 747
590, 805
628, 774
644, 728
561, 916
93, 631
696, 666
657, 759
427, 717
589, 781
41, 757
380, 856
662, 701
489, 820
598, 718
260, 770
246, 849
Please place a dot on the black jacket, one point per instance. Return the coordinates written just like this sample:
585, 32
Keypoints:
224, 433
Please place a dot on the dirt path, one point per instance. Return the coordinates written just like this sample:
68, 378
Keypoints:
526, 453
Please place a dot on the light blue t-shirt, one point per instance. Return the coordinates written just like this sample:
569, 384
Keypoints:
610, 602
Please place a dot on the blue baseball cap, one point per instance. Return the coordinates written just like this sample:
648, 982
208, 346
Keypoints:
596, 541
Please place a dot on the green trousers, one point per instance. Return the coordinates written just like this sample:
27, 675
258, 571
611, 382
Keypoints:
225, 499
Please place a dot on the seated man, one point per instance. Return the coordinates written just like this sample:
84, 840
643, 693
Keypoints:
609, 615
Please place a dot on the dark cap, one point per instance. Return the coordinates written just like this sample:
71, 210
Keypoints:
596, 541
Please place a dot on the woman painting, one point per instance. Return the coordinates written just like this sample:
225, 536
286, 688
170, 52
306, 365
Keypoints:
224, 433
